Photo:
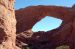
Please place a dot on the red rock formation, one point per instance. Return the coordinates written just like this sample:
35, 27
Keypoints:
27, 17
7, 25
35, 13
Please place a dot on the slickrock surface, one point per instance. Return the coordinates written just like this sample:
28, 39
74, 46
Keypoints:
64, 35
7, 25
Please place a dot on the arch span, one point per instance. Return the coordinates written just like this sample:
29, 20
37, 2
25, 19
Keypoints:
27, 17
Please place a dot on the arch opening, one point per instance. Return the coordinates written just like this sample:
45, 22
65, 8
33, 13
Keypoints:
46, 24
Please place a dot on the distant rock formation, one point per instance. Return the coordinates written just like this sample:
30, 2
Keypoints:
27, 17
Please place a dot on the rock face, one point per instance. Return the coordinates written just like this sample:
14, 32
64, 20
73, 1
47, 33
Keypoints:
7, 25
27, 17
36, 13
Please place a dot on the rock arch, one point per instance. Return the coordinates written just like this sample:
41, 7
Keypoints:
30, 15
27, 17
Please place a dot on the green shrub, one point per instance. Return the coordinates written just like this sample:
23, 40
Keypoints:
63, 47
25, 48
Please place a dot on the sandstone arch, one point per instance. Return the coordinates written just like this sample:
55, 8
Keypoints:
27, 17
35, 13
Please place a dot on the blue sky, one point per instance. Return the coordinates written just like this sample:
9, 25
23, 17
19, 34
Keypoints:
24, 3
47, 23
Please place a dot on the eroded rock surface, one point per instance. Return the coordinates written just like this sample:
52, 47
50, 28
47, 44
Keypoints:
7, 25
27, 17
